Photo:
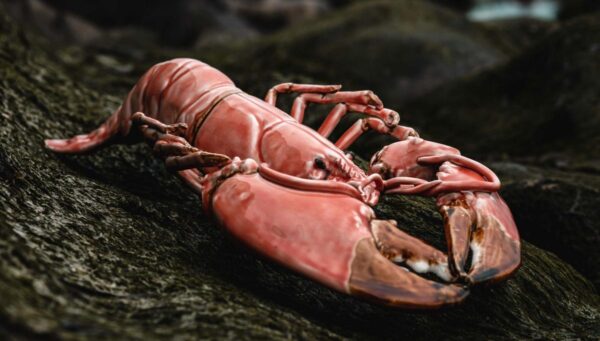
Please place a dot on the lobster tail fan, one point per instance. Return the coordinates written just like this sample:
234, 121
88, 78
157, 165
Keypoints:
78, 144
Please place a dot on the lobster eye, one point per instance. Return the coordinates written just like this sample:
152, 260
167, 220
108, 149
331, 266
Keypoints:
320, 163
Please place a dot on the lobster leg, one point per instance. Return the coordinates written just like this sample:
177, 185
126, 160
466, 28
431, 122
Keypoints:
176, 151
328, 94
370, 123
365, 97
363, 102
389, 117
285, 88
193, 178
186, 160
177, 129
178, 154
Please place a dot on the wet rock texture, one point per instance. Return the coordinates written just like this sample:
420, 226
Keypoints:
111, 246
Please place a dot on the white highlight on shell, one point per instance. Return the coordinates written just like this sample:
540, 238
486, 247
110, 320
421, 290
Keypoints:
476, 253
421, 266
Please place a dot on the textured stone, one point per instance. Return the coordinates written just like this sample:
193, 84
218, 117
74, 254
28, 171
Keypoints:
542, 106
111, 246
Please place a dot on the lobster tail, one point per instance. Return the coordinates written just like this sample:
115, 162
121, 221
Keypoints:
99, 137
179, 88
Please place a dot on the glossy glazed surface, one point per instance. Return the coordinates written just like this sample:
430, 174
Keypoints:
308, 205
477, 221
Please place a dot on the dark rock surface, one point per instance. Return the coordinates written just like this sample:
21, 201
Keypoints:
110, 245
557, 211
542, 105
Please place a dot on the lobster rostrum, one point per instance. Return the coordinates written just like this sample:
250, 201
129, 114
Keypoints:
288, 192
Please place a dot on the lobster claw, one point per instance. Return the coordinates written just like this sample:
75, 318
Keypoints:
333, 239
477, 222
481, 222
374, 275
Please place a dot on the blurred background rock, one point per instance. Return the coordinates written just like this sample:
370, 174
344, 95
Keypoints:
187, 23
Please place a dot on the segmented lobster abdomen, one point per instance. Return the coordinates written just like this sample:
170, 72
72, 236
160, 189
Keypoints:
177, 90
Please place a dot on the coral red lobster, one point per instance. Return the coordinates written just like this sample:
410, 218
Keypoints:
288, 192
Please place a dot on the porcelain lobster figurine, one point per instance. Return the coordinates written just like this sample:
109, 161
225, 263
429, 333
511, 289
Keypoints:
288, 192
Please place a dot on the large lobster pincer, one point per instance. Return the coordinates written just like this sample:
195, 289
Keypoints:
475, 216
334, 239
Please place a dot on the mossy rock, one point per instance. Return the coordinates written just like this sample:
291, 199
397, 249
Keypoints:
557, 211
111, 246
